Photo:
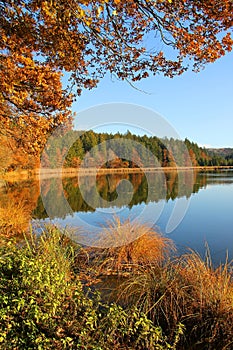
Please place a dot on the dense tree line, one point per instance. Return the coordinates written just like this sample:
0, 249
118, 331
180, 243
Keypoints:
118, 150
109, 150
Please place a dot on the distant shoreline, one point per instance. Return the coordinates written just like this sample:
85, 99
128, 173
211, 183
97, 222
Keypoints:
66, 172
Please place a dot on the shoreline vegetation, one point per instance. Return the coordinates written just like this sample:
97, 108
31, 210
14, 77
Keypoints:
141, 295
57, 294
66, 172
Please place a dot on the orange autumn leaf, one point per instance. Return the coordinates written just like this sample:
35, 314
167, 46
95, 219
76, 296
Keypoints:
42, 39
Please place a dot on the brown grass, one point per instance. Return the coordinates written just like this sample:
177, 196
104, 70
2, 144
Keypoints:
209, 300
127, 245
188, 291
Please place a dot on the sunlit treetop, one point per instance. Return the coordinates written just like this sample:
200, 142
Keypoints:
130, 39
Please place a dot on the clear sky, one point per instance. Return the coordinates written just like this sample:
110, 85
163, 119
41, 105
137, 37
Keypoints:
198, 106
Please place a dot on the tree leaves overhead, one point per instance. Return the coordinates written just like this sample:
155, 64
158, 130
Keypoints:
88, 38
40, 39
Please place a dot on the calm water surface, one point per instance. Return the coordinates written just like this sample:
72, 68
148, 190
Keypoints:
199, 205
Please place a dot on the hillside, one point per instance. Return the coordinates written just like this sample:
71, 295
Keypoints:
226, 153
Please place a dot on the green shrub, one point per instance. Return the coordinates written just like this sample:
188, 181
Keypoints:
43, 304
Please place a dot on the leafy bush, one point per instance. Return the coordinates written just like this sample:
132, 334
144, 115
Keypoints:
43, 304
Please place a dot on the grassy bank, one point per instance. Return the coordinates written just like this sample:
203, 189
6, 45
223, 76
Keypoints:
69, 172
43, 304
170, 290
48, 297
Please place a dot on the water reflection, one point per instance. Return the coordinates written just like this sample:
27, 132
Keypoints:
108, 192
17, 202
209, 216
28, 192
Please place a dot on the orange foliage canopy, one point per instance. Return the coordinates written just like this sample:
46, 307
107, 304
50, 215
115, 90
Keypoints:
42, 38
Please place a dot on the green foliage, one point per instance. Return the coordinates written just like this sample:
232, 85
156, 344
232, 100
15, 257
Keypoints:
168, 152
44, 306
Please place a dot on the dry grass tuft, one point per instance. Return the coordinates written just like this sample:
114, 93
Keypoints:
209, 299
188, 291
129, 245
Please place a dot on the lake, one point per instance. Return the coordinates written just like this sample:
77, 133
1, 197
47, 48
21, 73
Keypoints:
192, 208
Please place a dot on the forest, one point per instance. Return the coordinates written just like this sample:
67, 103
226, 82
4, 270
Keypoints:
108, 150
126, 150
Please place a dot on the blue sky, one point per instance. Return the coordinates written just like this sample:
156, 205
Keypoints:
197, 105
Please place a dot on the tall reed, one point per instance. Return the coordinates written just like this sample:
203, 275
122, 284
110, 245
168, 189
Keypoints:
190, 291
